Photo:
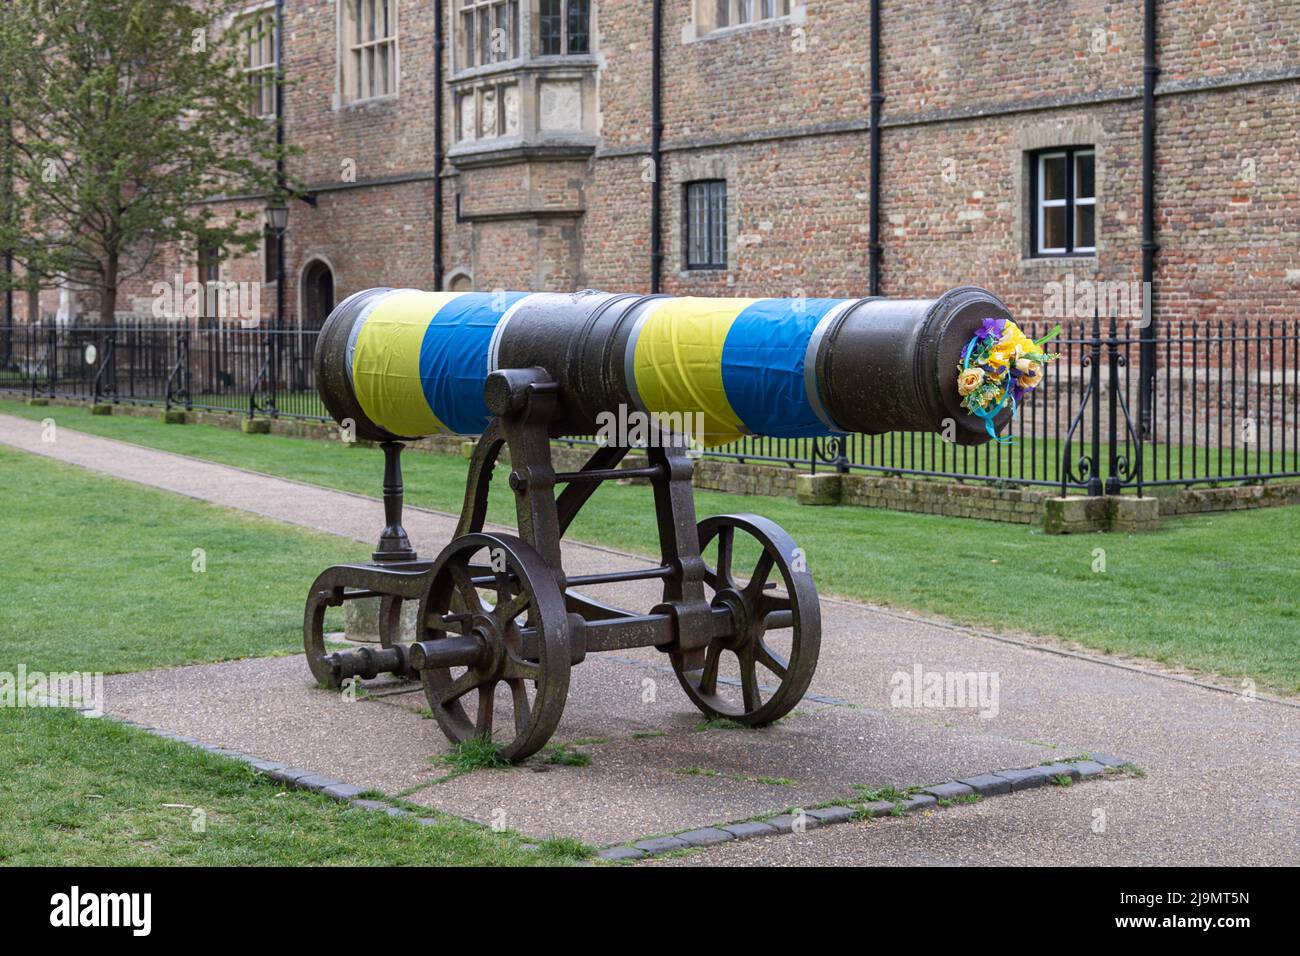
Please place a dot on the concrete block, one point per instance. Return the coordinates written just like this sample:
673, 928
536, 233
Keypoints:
921, 801
1088, 768
949, 791
255, 426
662, 845
1131, 515
101, 408
987, 784
833, 814
1026, 779
1074, 515
707, 836
824, 488
746, 831
343, 791
785, 823
621, 853
361, 620
174, 416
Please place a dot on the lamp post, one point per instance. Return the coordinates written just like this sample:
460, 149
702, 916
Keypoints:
277, 222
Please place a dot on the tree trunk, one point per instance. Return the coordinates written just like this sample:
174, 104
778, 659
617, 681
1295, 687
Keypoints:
108, 294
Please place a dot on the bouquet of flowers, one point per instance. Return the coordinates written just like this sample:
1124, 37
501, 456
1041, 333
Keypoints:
999, 367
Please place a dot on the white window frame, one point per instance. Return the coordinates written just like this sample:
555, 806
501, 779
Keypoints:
1084, 201
739, 13
353, 49
1070, 201
1045, 204
257, 18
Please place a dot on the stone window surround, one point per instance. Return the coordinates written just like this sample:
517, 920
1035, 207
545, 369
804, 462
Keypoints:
692, 32
529, 80
342, 49
1050, 135
528, 71
525, 55
687, 169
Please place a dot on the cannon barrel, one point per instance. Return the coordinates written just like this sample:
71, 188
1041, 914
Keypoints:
403, 364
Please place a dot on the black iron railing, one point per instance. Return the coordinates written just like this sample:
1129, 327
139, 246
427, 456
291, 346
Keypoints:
1224, 405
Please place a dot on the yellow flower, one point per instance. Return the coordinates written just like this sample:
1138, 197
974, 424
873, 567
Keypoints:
1031, 372
969, 380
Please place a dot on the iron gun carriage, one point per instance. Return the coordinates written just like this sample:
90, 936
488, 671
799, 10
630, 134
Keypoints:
500, 624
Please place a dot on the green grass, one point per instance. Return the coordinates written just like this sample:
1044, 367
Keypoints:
566, 755
97, 576
1214, 592
476, 753
78, 792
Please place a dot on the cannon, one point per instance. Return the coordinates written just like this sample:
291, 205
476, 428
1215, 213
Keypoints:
499, 623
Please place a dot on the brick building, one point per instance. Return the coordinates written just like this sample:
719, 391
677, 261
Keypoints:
1010, 149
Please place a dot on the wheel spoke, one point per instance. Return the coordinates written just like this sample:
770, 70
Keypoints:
749, 681
709, 675
758, 580
503, 587
461, 686
773, 661
487, 695
509, 609
523, 711
465, 588
515, 669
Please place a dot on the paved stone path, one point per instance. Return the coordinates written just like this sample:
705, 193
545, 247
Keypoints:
1220, 781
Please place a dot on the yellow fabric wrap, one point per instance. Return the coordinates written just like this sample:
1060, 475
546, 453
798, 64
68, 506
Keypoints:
386, 362
678, 362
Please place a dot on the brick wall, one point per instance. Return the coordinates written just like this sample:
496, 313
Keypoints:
780, 111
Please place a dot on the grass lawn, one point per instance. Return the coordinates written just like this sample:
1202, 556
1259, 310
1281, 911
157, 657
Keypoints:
97, 575
79, 792
1215, 592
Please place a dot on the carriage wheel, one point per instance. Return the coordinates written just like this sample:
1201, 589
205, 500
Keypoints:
759, 672
497, 590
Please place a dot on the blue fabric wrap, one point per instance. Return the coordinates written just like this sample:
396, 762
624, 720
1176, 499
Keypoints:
454, 358
763, 366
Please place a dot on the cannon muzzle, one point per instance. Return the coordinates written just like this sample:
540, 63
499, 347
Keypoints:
402, 364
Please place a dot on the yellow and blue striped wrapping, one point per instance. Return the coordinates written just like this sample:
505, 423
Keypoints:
746, 365
418, 361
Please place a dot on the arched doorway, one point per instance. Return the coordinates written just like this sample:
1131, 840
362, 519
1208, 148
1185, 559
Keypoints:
317, 294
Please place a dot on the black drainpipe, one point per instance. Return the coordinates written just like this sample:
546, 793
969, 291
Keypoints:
877, 98
1147, 355
656, 146
439, 41
280, 273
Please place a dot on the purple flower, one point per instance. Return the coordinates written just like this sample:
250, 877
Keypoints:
991, 328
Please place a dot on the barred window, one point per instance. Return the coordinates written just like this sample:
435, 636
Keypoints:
370, 49
488, 32
257, 39
704, 224
1063, 202
563, 27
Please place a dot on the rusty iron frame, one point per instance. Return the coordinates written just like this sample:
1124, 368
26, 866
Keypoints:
540, 625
